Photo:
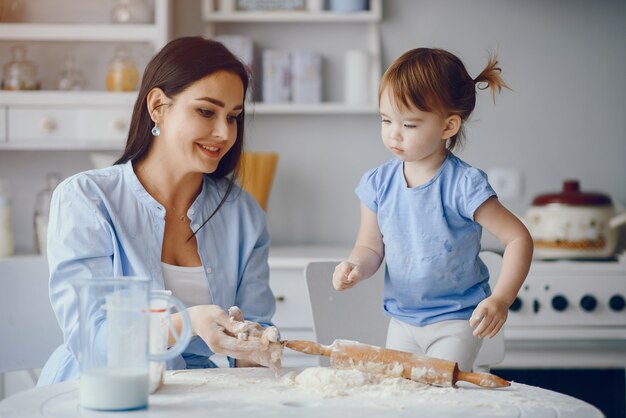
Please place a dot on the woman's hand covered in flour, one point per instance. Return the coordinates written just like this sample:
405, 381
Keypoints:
489, 317
346, 275
233, 336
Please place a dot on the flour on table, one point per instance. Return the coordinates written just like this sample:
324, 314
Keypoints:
330, 382
318, 390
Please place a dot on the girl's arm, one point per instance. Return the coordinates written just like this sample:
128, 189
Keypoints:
366, 256
518, 251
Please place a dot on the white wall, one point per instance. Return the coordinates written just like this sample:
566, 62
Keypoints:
566, 115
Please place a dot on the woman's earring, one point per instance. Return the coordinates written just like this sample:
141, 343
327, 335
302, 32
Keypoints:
156, 131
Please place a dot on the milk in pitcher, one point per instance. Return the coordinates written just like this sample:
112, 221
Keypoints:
114, 389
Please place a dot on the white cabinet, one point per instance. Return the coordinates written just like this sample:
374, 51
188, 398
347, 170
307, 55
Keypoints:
329, 33
293, 315
74, 120
90, 119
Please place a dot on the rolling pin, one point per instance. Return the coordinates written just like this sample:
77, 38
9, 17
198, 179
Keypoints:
345, 354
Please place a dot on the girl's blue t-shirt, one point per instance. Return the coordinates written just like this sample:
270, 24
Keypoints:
432, 269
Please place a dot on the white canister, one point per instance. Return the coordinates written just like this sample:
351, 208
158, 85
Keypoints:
314, 5
276, 76
306, 80
7, 245
357, 77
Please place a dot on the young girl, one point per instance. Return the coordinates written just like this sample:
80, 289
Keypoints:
423, 212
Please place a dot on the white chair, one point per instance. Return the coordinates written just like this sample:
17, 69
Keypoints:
30, 332
357, 314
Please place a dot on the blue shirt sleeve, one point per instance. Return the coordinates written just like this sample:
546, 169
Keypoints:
367, 190
474, 190
80, 245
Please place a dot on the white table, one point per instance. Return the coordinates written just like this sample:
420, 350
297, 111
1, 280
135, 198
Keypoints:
254, 393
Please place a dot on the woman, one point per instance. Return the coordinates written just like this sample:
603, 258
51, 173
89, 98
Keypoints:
169, 210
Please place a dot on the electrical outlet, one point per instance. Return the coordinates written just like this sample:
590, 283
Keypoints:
507, 183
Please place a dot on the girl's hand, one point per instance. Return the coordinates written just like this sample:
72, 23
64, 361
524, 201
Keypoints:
346, 275
234, 337
489, 317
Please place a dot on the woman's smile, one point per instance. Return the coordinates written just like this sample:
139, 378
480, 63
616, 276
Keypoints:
211, 151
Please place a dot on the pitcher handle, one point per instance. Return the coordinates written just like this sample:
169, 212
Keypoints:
185, 336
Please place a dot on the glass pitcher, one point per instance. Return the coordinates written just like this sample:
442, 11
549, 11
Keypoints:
114, 353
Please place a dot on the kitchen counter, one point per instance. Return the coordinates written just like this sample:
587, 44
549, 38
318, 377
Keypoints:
258, 392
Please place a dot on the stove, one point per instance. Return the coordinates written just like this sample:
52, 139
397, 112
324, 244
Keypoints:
567, 328
574, 299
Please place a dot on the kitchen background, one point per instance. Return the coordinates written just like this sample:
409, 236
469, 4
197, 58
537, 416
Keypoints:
564, 118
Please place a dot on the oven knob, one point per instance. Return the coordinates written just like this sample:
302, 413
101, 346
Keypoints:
588, 303
516, 305
559, 303
617, 303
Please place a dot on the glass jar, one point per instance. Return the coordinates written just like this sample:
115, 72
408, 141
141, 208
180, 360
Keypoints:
123, 74
19, 73
71, 77
132, 11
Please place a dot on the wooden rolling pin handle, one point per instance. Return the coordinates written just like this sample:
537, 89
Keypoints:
485, 380
308, 347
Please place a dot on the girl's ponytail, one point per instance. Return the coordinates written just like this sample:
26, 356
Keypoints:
490, 78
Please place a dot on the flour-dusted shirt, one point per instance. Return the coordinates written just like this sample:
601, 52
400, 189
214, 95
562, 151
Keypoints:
104, 223
433, 272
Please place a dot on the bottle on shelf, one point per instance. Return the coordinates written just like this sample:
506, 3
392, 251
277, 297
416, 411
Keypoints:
123, 74
42, 212
132, 11
71, 76
6, 225
20, 73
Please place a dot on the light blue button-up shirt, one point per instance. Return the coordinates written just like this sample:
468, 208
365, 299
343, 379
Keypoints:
104, 223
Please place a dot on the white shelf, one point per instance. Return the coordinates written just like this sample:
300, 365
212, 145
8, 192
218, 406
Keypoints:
62, 146
291, 16
368, 22
105, 98
61, 98
327, 108
78, 32
211, 15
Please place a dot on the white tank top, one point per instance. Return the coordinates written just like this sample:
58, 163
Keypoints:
188, 284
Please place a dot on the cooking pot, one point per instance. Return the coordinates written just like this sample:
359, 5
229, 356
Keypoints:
574, 224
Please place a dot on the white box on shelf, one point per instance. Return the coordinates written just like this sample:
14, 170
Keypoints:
306, 81
276, 76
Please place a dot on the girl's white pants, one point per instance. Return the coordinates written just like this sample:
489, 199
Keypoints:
449, 340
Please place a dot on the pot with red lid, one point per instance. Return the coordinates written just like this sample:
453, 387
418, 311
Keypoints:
574, 224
